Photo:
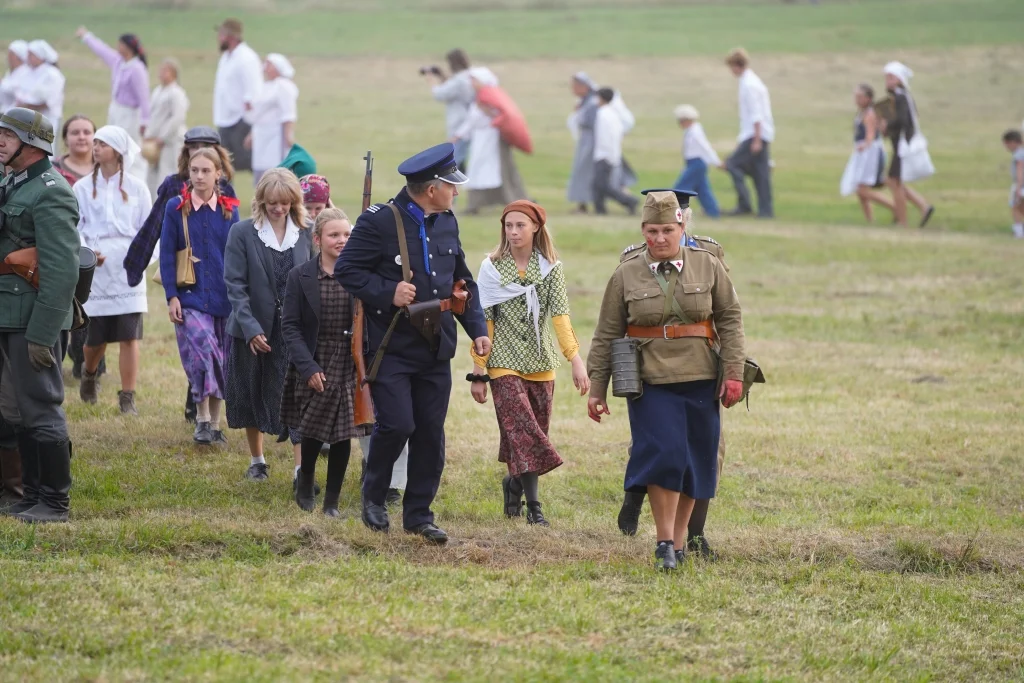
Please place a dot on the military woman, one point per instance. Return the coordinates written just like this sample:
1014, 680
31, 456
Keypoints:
678, 302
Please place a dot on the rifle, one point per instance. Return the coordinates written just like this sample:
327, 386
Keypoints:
363, 400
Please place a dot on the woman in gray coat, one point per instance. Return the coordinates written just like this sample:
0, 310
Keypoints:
581, 123
259, 255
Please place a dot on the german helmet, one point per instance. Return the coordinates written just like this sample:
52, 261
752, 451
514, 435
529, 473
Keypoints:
31, 127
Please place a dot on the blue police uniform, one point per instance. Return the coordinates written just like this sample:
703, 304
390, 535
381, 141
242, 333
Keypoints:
413, 384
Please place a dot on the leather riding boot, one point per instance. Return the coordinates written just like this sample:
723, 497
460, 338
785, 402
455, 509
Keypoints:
304, 495
10, 478
29, 475
331, 499
54, 484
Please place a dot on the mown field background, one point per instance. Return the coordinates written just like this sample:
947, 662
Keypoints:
871, 514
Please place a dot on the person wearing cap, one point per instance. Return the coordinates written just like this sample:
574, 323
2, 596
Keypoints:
129, 87
581, 123
166, 133
37, 210
113, 204
698, 157
42, 88
678, 302
522, 286
238, 81
402, 252
903, 124
757, 131
17, 70
273, 113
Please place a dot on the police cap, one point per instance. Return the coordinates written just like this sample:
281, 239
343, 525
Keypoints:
436, 163
682, 196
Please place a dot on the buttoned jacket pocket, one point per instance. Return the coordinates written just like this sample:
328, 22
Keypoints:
645, 306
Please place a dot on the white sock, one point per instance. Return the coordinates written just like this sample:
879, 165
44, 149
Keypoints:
297, 468
258, 460
1018, 229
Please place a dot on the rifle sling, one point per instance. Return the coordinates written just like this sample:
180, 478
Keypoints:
403, 249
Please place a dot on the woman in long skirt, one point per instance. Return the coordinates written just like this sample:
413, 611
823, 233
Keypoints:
866, 168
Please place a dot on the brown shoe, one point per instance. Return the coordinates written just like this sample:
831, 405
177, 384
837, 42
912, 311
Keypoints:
126, 399
89, 389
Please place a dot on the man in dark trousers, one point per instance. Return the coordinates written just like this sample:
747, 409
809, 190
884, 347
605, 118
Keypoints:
38, 210
413, 286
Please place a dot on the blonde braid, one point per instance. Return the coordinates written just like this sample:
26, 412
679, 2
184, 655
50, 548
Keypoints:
95, 174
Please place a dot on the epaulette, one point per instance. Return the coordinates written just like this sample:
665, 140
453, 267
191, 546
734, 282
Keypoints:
704, 238
632, 251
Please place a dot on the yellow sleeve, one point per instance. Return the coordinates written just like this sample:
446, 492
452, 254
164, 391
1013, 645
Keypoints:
566, 336
482, 360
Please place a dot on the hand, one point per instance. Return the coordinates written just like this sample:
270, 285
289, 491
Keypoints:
723, 166
100, 258
247, 143
258, 344
81, 32
479, 391
405, 294
40, 356
317, 381
756, 146
580, 378
174, 311
731, 392
482, 346
596, 407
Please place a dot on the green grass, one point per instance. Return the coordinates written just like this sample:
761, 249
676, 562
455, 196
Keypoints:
871, 512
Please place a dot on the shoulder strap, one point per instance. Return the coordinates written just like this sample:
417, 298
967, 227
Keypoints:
184, 229
403, 246
671, 304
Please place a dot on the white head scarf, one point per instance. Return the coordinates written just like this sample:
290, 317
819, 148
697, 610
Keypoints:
118, 138
43, 50
483, 76
586, 80
20, 48
900, 71
281, 63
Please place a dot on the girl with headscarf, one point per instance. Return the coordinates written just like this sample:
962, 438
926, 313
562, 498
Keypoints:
166, 132
17, 70
902, 124
522, 285
129, 80
274, 112
42, 87
112, 207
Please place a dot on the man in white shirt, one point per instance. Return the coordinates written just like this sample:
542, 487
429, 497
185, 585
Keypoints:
239, 77
757, 131
608, 133
457, 93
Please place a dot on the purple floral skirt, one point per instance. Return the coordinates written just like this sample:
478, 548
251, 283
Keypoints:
203, 347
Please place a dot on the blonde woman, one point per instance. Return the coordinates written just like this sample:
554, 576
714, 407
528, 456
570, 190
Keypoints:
522, 285
260, 253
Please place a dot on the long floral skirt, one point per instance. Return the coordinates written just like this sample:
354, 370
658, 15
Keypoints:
524, 415
203, 347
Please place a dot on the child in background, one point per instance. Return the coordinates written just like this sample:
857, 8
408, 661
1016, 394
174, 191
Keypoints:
1012, 142
866, 168
698, 157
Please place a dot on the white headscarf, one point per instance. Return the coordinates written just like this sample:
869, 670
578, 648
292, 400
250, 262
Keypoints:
900, 71
43, 50
586, 80
118, 138
483, 76
281, 63
20, 48
493, 292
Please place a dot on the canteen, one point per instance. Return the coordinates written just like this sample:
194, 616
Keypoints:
86, 269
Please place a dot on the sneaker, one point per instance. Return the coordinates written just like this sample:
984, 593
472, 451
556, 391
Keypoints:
126, 400
203, 434
219, 437
89, 389
258, 472
699, 545
665, 557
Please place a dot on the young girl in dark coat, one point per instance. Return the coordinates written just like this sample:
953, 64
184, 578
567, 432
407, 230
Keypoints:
318, 398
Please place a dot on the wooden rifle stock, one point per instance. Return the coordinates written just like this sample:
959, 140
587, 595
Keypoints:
363, 400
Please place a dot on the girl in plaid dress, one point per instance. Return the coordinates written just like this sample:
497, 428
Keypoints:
318, 398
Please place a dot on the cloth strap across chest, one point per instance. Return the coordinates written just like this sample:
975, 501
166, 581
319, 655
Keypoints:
704, 329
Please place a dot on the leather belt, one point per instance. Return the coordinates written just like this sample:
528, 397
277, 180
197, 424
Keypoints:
704, 330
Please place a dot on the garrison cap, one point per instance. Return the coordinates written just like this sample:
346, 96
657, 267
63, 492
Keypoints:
30, 126
665, 206
436, 163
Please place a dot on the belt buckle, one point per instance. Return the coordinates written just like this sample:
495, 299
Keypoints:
664, 332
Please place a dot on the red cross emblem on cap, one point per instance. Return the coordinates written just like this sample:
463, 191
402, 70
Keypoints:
679, 215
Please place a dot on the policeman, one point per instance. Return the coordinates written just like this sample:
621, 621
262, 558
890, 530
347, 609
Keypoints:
632, 504
38, 210
409, 351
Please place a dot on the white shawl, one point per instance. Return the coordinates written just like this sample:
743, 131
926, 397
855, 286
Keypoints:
492, 292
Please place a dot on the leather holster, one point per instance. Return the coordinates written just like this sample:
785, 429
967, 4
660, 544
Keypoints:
425, 316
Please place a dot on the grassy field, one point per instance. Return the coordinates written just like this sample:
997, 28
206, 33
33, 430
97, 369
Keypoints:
871, 514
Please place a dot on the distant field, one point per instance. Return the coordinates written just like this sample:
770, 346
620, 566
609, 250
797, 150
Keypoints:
871, 514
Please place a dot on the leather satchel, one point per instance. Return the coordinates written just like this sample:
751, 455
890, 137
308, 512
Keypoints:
425, 316
184, 260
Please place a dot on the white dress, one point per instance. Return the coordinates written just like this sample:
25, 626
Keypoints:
484, 150
44, 85
865, 166
107, 224
274, 106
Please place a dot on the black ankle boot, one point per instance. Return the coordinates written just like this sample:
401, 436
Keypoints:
512, 491
534, 515
629, 515
331, 503
54, 462
304, 495
29, 452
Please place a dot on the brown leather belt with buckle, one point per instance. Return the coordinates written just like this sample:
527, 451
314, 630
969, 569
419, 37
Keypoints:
704, 330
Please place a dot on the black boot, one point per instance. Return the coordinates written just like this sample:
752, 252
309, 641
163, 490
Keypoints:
54, 483
190, 406
29, 475
629, 515
665, 556
534, 515
304, 495
331, 503
375, 516
512, 491
11, 490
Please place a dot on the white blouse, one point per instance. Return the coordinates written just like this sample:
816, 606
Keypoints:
697, 146
107, 224
275, 105
265, 231
44, 85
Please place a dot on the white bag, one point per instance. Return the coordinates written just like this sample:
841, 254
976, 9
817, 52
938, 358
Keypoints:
915, 162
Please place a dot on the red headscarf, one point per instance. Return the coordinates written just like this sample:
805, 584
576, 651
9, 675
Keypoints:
534, 211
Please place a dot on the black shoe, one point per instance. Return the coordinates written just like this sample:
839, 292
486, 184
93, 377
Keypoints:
331, 504
304, 496
665, 557
258, 472
738, 212
534, 515
680, 556
203, 434
190, 407
29, 452
629, 515
220, 437
295, 485
700, 547
927, 216
376, 516
429, 532
513, 492
54, 484
394, 495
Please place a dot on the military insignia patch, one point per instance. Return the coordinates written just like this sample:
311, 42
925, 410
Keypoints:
631, 248
51, 183
398, 260
374, 208
679, 215
703, 238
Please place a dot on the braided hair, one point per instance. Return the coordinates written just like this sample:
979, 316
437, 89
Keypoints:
131, 41
120, 180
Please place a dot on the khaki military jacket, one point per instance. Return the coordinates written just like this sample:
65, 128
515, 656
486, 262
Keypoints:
40, 210
634, 297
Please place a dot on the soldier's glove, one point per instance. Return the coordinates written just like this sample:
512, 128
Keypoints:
40, 357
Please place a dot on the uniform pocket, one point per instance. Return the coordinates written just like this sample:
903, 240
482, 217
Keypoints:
697, 299
645, 306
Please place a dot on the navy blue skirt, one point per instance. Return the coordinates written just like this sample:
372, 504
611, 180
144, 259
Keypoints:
675, 430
